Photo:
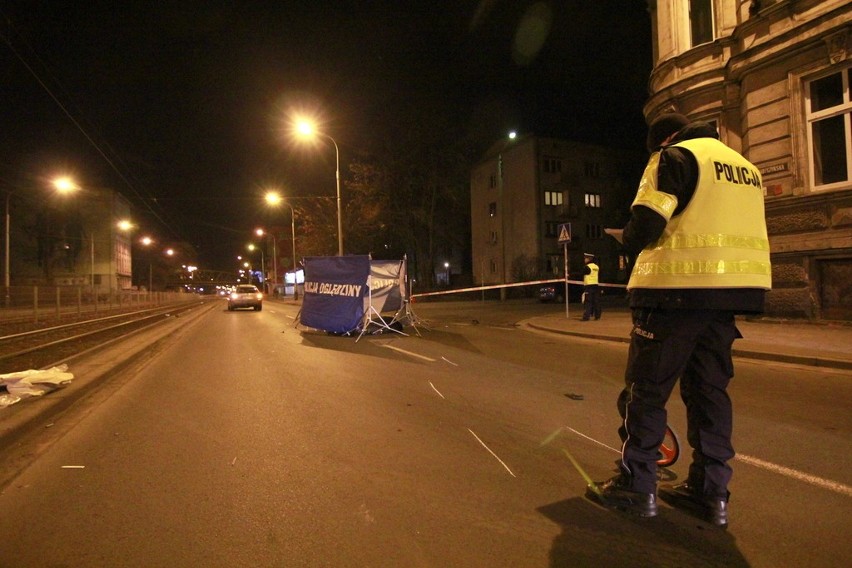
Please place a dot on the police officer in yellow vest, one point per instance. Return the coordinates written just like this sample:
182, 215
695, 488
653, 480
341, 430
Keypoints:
698, 226
591, 293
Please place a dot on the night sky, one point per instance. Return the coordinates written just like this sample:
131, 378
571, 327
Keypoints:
182, 106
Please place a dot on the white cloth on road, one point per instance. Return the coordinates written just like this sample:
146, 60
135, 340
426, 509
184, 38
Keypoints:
32, 382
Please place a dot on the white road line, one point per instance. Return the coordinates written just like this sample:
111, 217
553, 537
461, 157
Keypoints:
410, 353
492, 453
450, 362
835, 486
436, 390
595, 441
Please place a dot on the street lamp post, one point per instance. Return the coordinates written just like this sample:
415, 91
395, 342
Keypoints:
251, 247
306, 128
262, 233
7, 293
147, 242
339, 214
273, 198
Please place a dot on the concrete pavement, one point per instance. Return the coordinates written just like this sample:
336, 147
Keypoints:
790, 341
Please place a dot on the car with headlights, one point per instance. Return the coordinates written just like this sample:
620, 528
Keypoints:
245, 296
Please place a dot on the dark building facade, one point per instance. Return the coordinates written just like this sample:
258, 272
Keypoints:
526, 188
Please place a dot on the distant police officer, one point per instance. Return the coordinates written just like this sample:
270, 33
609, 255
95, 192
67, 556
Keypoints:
698, 225
591, 293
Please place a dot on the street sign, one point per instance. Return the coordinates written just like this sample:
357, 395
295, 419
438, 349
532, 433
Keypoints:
564, 233
564, 240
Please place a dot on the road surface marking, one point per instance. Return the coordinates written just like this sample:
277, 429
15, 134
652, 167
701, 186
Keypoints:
450, 362
436, 390
795, 474
492, 453
595, 441
835, 486
410, 353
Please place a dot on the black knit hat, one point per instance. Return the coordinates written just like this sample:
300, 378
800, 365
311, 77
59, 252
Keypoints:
662, 127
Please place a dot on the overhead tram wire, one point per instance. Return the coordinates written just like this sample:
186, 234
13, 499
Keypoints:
128, 183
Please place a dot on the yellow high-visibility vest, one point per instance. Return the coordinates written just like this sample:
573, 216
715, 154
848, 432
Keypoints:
719, 240
592, 277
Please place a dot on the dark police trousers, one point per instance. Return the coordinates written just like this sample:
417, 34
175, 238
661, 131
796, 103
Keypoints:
592, 304
695, 346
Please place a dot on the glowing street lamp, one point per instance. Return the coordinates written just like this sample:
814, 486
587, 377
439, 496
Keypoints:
146, 242
274, 199
62, 185
307, 129
252, 248
65, 184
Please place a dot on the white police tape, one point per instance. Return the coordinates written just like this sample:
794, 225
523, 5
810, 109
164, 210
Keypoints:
513, 285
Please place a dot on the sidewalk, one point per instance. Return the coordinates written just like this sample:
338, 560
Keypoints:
788, 341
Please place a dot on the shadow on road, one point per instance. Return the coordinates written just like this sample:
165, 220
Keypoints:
594, 536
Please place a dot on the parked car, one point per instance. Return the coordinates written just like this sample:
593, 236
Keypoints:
245, 296
552, 294
556, 293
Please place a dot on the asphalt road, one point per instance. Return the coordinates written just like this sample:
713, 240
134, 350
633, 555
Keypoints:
248, 442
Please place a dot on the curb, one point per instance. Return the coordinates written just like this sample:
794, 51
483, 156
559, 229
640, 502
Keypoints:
809, 361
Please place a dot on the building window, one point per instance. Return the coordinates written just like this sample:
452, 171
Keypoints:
714, 123
623, 261
592, 169
492, 209
493, 238
552, 165
492, 181
593, 200
594, 231
828, 113
551, 229
701, 21
553, 198
493, 266
555, 264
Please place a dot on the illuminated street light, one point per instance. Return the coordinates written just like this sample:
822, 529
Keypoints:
307, 129
65, 184
252, 248
261, 233
147, 241
274, 199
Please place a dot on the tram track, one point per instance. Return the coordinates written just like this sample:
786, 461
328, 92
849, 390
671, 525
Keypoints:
45, 347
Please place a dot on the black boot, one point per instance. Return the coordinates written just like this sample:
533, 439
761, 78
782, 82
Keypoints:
615, 493
688, 497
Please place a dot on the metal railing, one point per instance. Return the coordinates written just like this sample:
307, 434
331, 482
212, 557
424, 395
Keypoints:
39, 304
